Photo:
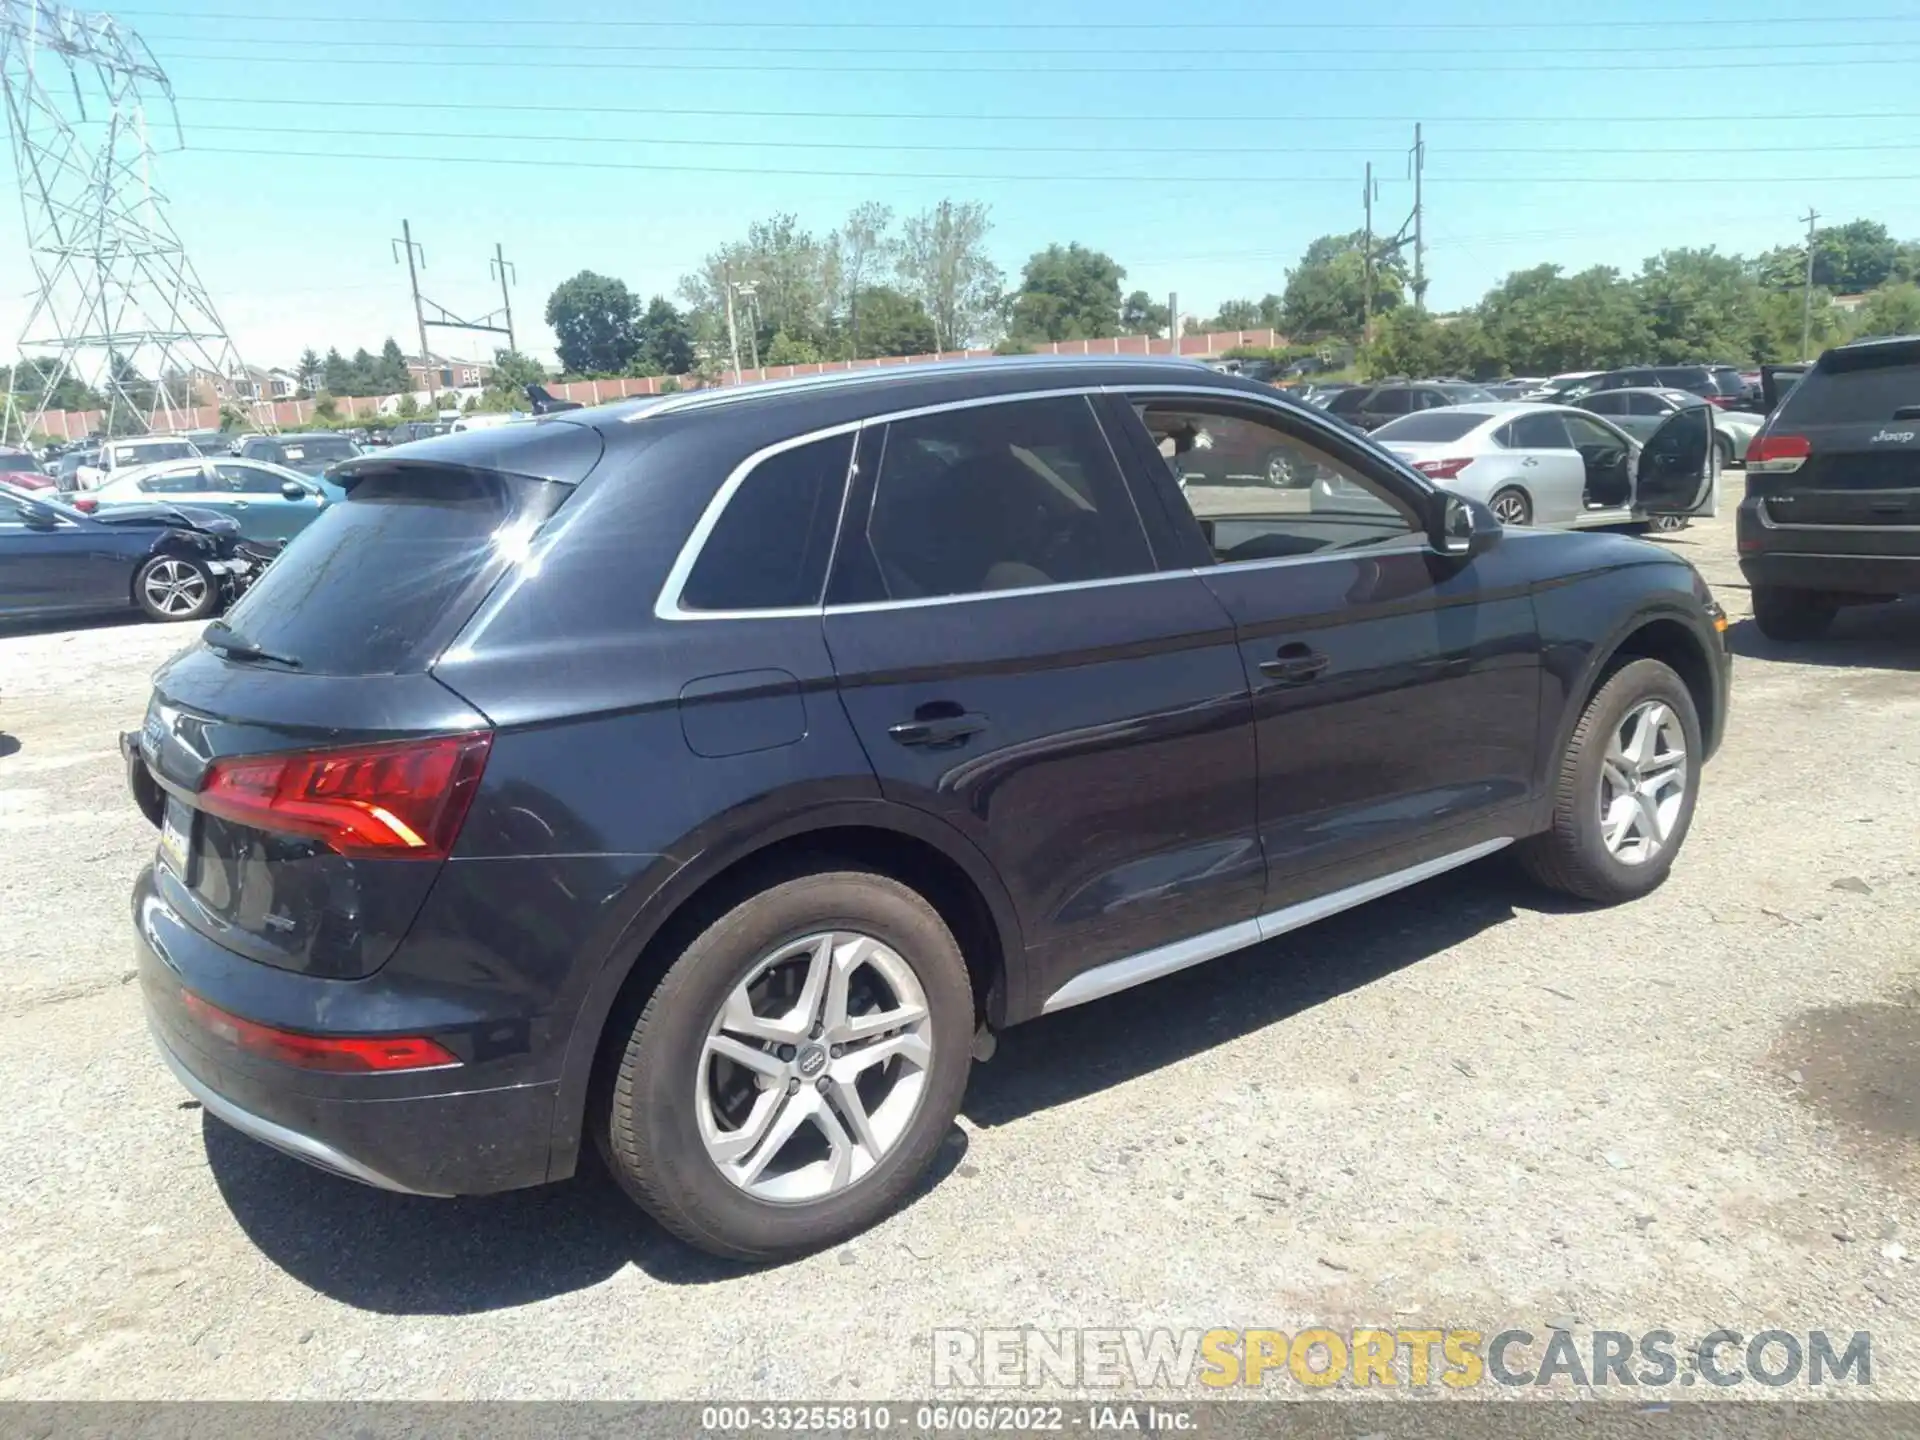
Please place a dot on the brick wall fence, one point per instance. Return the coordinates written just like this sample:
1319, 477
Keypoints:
291, 414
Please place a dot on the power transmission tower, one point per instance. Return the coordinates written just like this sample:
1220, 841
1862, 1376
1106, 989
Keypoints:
117, 304
442, 318
505, 268
1806, 290
1366, 256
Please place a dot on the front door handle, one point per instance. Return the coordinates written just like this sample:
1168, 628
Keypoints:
1295, 664
939, 731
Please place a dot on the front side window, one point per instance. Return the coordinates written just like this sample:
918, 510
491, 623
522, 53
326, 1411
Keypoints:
1000, 497
1647, 405
1302, 500
249, 479
1540, 432
1606, 403
183, 480
769, 549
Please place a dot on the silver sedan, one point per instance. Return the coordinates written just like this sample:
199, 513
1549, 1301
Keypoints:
1640, 411
1532, 464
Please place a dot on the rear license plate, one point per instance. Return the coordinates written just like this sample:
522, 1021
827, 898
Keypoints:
176, 838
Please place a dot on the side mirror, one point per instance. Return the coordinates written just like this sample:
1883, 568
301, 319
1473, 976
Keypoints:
294, 490
1463, 528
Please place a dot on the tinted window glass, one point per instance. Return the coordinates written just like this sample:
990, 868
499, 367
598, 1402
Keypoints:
1391, 400
185, 481
997, 497
1605, 403
1260, 493
249, 479
377, 578
1348, 402
12, 512
1646, 405
1590, 434
769, 550
1857, 394
1540, 432
1431, 425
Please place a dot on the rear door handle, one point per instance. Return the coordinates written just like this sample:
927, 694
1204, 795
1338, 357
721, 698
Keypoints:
1294, 664
939, 731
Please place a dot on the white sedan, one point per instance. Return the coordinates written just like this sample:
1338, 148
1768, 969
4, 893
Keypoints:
1531, 464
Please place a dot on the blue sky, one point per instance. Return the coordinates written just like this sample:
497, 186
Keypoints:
1203, 153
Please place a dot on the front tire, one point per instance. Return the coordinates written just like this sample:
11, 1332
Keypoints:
795, 1072
1624, 797
1784, 614
175, 587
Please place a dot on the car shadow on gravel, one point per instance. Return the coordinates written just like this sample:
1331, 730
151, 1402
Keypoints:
1866, 637
407, 1255
1079, 1052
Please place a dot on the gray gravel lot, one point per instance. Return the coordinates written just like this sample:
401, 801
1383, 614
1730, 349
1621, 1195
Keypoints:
1466, 1105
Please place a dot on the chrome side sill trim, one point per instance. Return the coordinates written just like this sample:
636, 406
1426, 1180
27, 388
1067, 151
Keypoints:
288, 1142
1131, 970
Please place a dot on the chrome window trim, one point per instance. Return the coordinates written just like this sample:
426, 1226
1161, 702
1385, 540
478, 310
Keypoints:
668, 607
1131, 970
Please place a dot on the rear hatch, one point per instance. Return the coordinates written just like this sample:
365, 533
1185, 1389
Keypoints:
313, 774
1844, 446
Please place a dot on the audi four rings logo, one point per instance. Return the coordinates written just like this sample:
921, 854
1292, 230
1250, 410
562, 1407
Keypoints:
1891, 436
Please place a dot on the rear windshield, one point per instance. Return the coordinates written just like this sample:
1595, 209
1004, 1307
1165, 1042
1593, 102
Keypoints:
147, 453
1431, 425
379, 581
1852, 393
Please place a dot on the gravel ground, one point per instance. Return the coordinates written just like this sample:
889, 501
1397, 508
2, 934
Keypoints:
1466, 1105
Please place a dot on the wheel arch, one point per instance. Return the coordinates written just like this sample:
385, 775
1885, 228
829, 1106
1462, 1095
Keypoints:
1660, 632
907, 844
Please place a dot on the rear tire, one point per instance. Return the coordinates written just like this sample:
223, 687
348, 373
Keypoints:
173, 588
667, 1126
1784, 614
1585, 853
1511, 506
1724, 443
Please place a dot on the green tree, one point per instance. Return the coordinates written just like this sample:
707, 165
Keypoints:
514, 371
1698, 304
361, 371
1540, 322
408, 407
1262, 314
1141, 315
1890, 310
785, 349
894, 324
1857, 256
307, 372
336, 375
1327, 291
1068, 292
389, 373
942, 262
593, 316
860, 247
666, 340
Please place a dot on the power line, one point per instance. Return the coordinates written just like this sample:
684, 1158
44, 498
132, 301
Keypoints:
738, 23
1504, 65
520, 47
388, 133
557, 163
1745, 117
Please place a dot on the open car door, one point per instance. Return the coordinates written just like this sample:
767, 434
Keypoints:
1678, 472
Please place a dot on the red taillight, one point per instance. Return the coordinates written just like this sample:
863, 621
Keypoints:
353, 1054
1777, 454
1442, 469
1725, 402
402, 801
85, 504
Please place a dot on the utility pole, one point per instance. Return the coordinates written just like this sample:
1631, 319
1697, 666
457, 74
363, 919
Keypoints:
1366, 274
1173, 323
1806, 292
419, 313
751, 293
503, 266
733, 330
1419, 231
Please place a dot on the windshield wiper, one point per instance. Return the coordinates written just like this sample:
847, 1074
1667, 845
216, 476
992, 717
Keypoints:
234, 645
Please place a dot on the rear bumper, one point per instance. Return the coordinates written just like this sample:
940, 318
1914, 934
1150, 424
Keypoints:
421, 1132
1846, 559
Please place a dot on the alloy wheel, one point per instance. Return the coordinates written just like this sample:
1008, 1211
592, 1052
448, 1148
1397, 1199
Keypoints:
173, 587
1511, 508
814, 1068
1643, 782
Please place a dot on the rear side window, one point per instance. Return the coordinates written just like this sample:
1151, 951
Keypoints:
769, 550
1001, 497
1853, 393
1348, 402
1431, 425
377, 581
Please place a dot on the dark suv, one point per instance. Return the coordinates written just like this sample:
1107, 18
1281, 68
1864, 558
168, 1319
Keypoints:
705, 779
1719, 385
1374, 407
1832, 514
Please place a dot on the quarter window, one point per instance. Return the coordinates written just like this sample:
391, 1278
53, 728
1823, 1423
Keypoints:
1260, 493
769, 550
999, 497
